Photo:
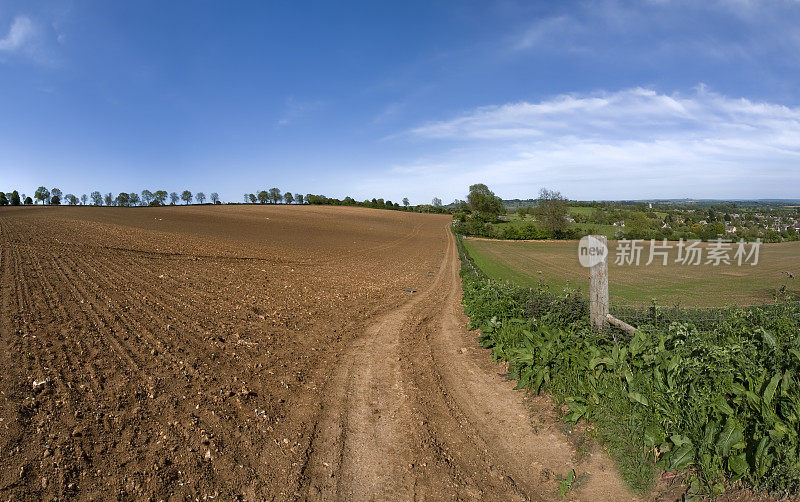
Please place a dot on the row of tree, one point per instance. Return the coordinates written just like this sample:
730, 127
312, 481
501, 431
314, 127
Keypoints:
13, 199
56, 197
274, 195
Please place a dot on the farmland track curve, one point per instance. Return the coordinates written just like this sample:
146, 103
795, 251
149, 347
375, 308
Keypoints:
416, 411
258, 353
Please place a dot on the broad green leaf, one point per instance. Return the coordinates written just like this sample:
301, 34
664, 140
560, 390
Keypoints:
722, 406
679, 440
682, 457
772, 386
731, 436
763, 458
653, 435
738, 463
638, 398
769, 339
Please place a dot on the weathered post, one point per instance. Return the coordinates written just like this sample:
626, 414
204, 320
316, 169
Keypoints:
598, 286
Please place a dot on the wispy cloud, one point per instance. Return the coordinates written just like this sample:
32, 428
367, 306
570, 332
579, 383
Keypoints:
722, 30
21, 33
295, 109
626, 144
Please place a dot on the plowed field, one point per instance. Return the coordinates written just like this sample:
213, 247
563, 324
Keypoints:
256, 353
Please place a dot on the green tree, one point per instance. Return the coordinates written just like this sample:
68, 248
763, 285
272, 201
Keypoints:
28, 201
71, 199
263, 197
42, 194
55, 200
84, 198
288, 197
147, 197
3, 199
174, 197
97, 198
186, 196
214, 197
637, 225
437, 202
275, 195
160, 196
252, 197
299, 198
551, 212
14, 198
484, 202
123, 199
56, 193
108, 199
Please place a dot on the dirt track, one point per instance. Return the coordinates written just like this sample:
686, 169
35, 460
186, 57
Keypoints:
258, 353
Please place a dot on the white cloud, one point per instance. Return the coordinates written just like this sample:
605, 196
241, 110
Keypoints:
721, 30
634, 143
22, 32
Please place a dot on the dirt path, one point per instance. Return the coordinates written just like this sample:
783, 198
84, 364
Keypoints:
417, 411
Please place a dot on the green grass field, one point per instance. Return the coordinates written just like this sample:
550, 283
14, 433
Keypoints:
555, 264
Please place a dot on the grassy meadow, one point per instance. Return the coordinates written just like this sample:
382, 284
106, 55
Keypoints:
555, 264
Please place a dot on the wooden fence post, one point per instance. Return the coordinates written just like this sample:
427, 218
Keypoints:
598, 288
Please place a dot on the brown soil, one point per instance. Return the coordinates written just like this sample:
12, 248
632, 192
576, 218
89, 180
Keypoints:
258, 353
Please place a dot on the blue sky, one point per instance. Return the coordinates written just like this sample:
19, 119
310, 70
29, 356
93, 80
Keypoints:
600, 100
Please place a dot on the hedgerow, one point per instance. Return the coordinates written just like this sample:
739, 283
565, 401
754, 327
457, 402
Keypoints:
721, 403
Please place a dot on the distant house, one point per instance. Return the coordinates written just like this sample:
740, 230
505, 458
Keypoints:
730, 229
619, 223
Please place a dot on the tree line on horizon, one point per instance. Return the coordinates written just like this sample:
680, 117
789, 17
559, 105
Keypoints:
55, 197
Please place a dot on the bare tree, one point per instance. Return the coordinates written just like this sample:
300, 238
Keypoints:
84, 198
174, 197
214, 197
201, 197
436, 202
109, 199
